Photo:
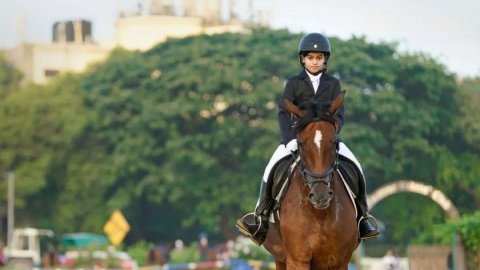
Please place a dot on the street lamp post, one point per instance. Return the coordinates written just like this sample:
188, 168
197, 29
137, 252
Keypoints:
10, 204
10, 208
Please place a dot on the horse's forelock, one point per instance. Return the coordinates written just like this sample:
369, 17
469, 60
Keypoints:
312, 110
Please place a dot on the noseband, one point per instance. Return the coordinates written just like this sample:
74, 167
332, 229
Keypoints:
312, 178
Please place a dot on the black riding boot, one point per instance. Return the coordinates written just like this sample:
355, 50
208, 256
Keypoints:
255, 225
366, 230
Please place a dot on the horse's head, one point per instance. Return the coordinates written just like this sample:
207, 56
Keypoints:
316, 131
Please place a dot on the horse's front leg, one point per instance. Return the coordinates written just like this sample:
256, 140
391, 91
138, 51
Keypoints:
280, 265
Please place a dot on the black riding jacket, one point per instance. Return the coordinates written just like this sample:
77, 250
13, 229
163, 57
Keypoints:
299, 89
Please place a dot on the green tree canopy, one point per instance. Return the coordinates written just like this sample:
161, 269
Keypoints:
9, 77
177, 137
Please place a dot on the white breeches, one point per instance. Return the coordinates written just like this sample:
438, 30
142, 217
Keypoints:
345, 151
283, 151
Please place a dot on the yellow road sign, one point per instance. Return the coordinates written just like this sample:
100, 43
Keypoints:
116, 227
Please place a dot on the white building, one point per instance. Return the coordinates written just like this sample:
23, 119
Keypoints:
72, 48
39, 62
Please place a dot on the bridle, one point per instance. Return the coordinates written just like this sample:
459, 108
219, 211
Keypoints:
311, 178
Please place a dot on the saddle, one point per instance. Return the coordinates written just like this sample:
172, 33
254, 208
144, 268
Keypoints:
351, 174
279, 180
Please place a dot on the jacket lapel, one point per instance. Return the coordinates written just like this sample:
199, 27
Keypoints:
304, 77
324, 82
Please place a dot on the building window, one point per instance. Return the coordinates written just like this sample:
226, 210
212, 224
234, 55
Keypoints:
51, 72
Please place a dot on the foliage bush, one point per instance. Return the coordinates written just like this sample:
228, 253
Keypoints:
469, 228
139, 251
187, 254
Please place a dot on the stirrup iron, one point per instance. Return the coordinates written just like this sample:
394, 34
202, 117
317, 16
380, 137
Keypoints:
368, 216
256, 218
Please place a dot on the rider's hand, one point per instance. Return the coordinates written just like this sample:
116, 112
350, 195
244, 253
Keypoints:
292, 145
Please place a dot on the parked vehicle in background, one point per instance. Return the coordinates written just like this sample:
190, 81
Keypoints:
31, 248
27, 247
82, 240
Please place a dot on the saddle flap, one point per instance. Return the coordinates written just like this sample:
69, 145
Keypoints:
280, 175
350, 174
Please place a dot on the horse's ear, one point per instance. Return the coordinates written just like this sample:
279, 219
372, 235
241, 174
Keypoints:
337, 103
292, 108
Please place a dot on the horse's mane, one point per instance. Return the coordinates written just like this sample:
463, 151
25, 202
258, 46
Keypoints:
313, 111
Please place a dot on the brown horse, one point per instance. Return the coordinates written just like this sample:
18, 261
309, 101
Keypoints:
317, 228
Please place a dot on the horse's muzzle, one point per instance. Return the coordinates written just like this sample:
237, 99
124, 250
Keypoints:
320, 199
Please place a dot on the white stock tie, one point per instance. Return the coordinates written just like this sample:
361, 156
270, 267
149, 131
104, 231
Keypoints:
315, 83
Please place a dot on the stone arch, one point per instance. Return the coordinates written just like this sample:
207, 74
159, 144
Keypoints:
429, 191
414, 187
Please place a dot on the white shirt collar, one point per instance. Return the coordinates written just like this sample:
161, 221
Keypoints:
314, 78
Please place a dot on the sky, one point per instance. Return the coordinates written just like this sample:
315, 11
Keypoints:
446, 30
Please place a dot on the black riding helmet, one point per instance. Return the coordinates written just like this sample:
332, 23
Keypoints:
314, 42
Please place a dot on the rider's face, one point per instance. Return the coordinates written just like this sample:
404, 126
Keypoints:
314, 62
